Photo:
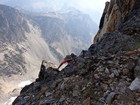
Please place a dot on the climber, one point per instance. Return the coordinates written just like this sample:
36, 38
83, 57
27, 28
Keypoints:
68, 59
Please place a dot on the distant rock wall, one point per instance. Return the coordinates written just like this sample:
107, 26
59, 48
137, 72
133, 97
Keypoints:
13, 25
115, 13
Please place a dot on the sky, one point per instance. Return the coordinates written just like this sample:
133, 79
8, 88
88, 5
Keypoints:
92, 7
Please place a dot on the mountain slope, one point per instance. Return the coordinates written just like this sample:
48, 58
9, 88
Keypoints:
66, 32
20, 47
13, 25
27, 40
107, 73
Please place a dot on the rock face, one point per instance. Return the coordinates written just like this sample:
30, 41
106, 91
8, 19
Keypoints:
119, 26
107, 73
116, 15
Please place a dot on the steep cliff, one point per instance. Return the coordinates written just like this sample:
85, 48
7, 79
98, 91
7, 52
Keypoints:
108, 73
119, 27
115, 16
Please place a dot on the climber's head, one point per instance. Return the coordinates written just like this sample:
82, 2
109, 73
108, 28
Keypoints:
73, 55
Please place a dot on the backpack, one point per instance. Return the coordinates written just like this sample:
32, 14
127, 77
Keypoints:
68, 57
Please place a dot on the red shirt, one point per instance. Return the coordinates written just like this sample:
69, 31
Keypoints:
65, 61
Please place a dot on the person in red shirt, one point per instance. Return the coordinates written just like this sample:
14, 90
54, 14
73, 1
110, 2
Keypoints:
68, 59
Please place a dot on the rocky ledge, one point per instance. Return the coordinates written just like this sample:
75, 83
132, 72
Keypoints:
112, 79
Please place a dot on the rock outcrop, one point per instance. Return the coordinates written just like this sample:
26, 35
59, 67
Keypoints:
116, 17
86, 81
119, 27
108, 73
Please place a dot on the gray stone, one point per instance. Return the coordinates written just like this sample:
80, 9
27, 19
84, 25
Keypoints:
107, 71
106, 93
125, 71
47, 94
116, 73
112, 75
110, 98
96, 76
26, 97
137, 71
102, 100
62, 98
62, 87
75, 93
83, 88
122, 87
110, 62
138, 63
104, 87
138, 99
135, 85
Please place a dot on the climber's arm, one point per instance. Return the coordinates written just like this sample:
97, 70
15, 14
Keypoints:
64, 61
